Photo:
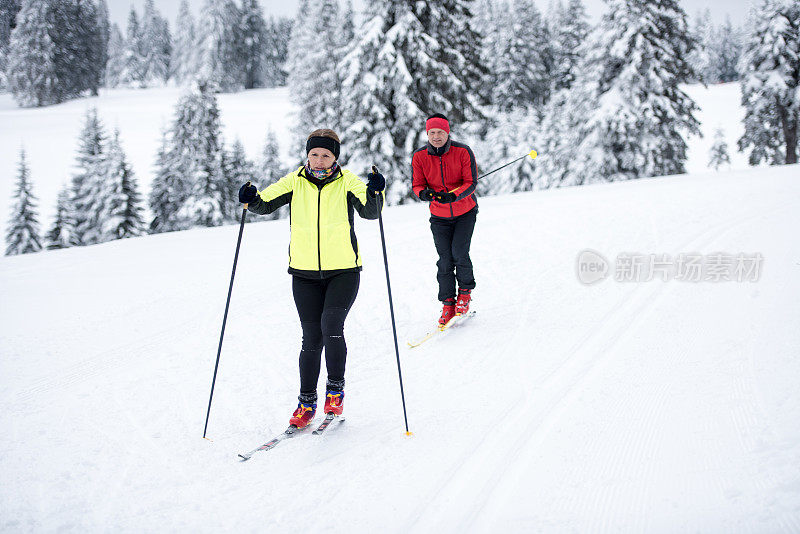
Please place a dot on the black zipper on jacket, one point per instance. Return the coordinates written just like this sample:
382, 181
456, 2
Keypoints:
319, 240
441, 167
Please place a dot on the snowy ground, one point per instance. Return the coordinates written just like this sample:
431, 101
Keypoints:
616, 407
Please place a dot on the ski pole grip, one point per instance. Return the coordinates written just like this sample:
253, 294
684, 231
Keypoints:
246, 204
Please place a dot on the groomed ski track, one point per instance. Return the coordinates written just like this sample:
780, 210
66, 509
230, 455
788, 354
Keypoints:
653, 406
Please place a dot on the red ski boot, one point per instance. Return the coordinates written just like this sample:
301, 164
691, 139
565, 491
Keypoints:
448, 312
462, 304
334, 402
303, 415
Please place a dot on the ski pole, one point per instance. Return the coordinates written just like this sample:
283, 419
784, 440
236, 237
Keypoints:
391, 306
225, 317
532, 154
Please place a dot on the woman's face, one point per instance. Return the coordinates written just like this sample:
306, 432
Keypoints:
320, 159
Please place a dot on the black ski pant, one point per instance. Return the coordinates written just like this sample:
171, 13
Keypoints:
323, 305
452, 238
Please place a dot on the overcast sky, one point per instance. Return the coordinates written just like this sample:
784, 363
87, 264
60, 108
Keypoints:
737, 9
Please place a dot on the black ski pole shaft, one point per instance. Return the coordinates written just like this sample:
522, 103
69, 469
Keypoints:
391, 306
225, 317
503, 167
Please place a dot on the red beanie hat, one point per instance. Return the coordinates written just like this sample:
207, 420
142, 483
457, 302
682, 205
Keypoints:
437, 122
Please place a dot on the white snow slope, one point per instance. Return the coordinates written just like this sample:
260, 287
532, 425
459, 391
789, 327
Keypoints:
560, 407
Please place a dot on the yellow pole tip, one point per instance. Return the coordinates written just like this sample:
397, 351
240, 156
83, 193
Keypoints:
533, 154
410, 434
208, 439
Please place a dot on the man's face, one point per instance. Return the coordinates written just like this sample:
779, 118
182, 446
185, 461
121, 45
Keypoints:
437, 137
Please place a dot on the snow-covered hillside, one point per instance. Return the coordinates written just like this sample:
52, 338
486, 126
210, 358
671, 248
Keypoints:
50, 135
614, 407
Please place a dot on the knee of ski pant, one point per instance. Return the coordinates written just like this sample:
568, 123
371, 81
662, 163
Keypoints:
333, 322
312, 335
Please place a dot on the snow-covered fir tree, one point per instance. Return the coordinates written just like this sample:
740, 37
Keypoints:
221, 60
185, 59
116, 57
275, 51
727, 52
156, 47
395, 77
198, 149
770, 80
626, 114
238, 170
59, 234
23, 234
701, 57
132, 69
8, 16
121, 212
520, 57
570, 31
55, 52
314, 79
87, 182
104, 33
719, 155
168, 189
270, 169
31, 72
253, 36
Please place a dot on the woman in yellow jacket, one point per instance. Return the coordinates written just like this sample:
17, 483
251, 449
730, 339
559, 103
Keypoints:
324, 260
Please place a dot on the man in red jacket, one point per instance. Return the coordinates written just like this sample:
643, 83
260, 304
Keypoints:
445, 174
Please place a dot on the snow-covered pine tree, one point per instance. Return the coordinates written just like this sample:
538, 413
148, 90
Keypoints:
701, 58
31, 72
238, 170
314, 80
132, 72
253, 36
8, 16
770, 82
156, 44
116, 57
270, 169
275, 51
104, 38
719, 156
219, 45
121, 214
22, 236
87, 182
394, 79
59, 234
727, 52
627, 107
520, 63
570, 31
168, 189
198, 148
184, 54
79, 46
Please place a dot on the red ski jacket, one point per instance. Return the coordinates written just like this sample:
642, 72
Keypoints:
449, 168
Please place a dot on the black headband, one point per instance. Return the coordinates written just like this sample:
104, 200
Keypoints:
323, 142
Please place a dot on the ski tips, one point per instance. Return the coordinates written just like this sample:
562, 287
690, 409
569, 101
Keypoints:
533, 154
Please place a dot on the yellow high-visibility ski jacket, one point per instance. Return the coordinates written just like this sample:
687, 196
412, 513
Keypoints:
323, 240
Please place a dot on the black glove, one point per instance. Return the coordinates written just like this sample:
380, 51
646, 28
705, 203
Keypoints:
247, 193
375, 182
444, 197
426, 195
